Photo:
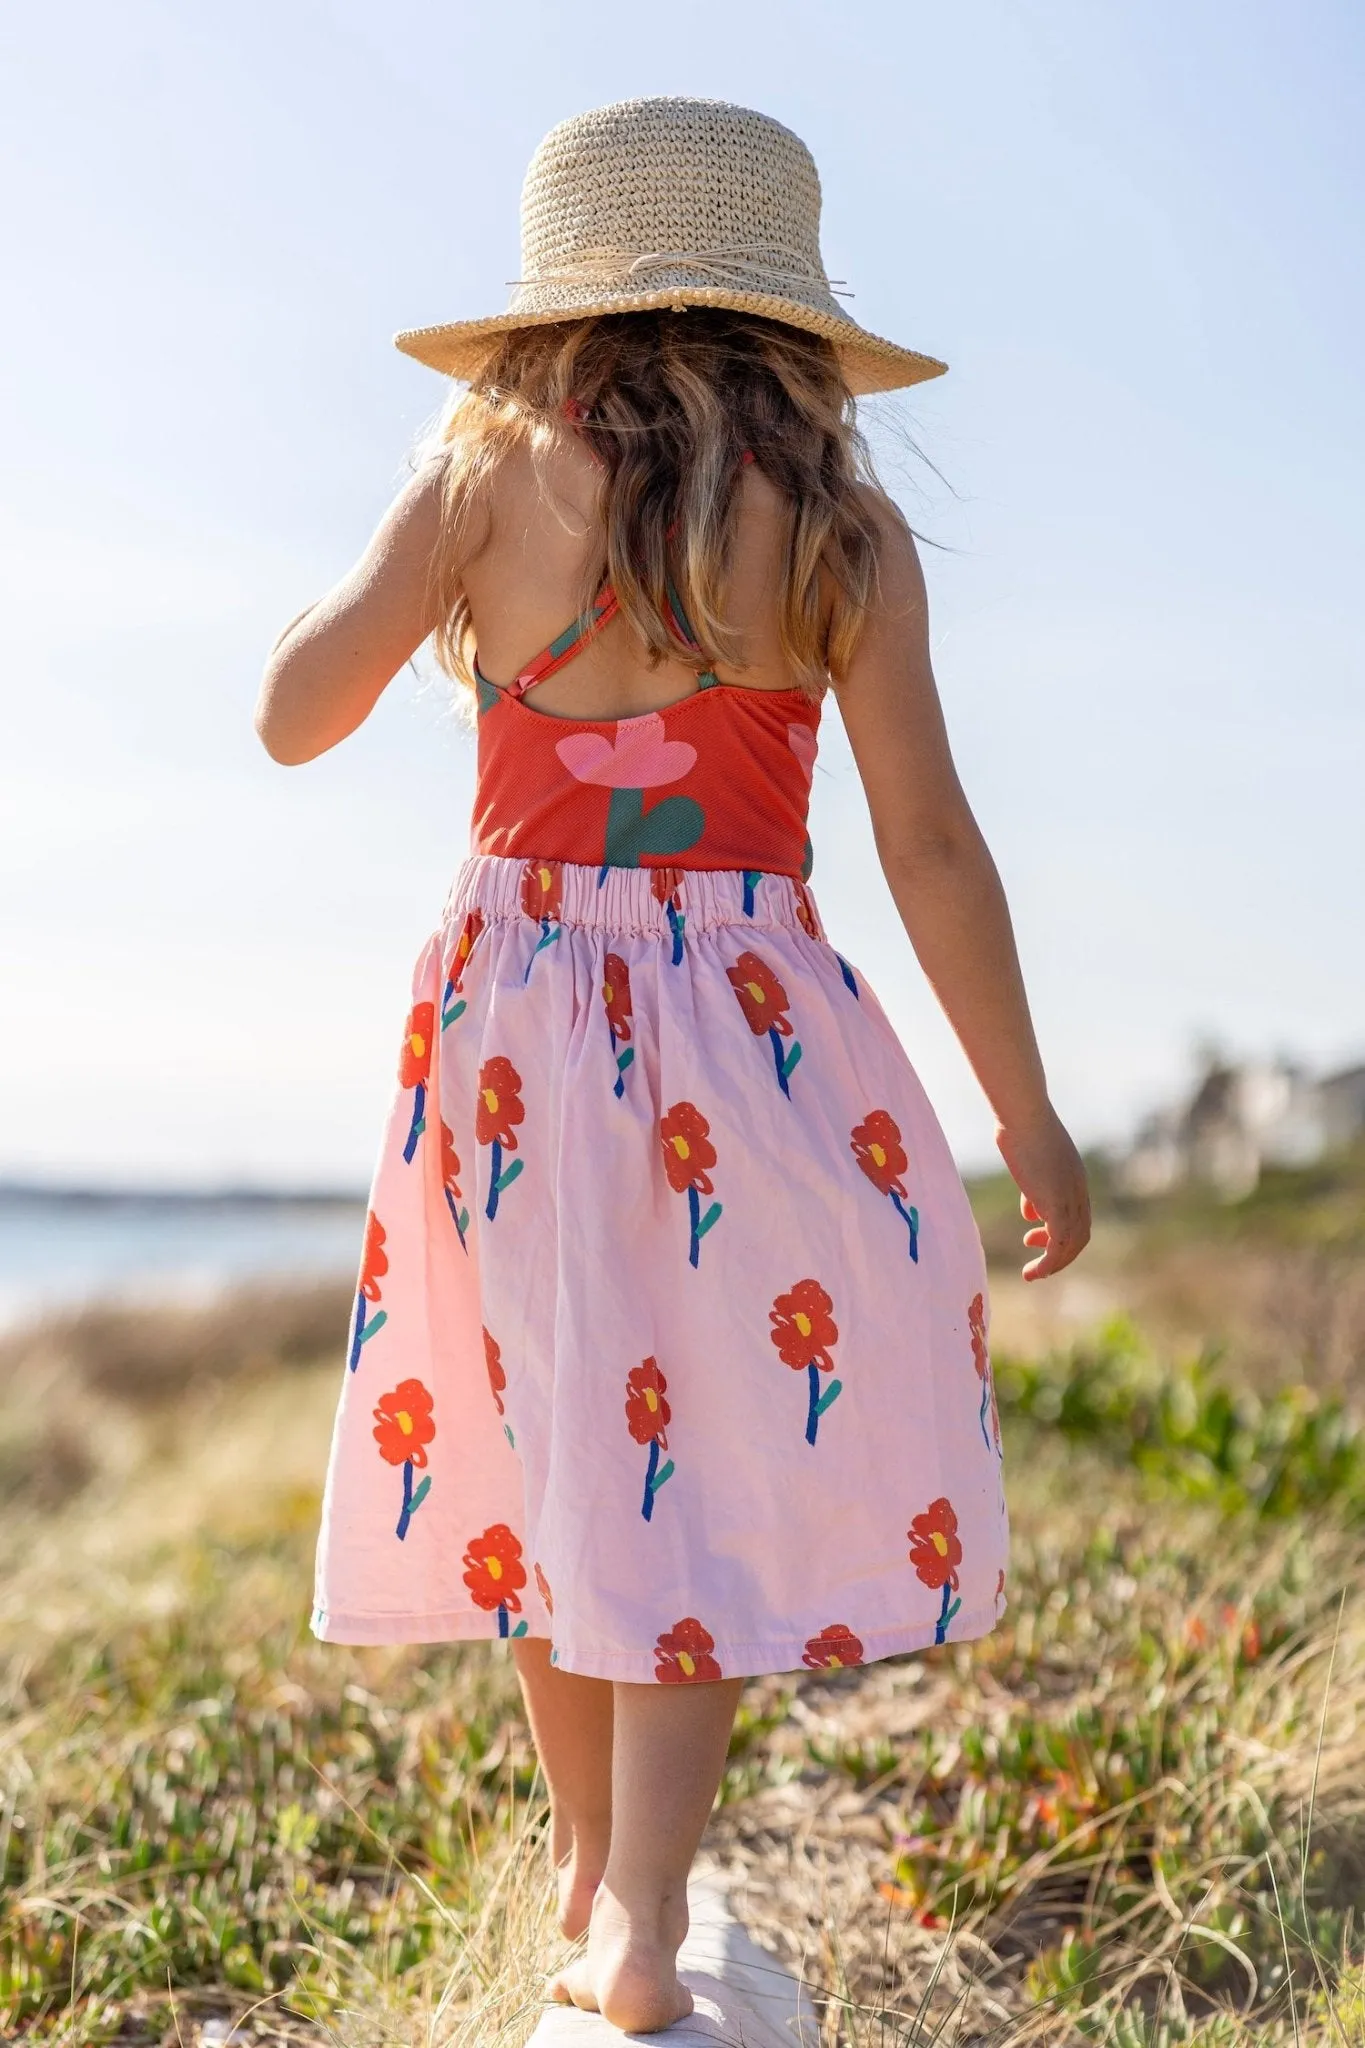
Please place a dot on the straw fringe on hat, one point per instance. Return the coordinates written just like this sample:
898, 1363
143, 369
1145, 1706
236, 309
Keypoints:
673, 202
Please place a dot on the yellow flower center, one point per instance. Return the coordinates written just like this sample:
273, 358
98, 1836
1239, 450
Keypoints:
836, 1664
545, 880
755, 991
404, 1421
490, 1098
607, 991
803, 1323
878, 1155
940, 1542
651, 1400
685, 1664
494, 1567
418, 1044
680, 1146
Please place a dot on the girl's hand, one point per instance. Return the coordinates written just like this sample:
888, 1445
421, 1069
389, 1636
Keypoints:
1053, 1195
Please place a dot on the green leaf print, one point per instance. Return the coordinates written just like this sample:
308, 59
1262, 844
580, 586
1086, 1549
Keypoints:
671, 826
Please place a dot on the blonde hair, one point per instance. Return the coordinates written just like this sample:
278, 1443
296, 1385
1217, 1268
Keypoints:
669, 402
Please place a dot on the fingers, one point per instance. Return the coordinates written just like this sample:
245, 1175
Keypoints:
1060, 1246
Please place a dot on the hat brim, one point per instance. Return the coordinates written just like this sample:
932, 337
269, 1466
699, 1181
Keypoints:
869, 363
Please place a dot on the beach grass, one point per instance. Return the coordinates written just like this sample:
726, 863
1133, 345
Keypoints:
1135, 1814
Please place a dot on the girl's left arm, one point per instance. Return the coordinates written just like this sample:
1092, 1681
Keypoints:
328, 669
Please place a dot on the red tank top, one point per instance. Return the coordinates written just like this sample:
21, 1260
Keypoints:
718, 779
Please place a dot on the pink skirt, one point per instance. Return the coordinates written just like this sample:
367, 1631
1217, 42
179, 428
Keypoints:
669, 1343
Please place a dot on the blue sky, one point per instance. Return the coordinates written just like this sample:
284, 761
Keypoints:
1133, 232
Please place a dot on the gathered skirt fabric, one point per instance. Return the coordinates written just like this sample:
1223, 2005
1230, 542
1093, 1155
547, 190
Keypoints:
670, 1338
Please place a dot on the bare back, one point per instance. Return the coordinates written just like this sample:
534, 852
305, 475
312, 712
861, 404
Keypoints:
545, 543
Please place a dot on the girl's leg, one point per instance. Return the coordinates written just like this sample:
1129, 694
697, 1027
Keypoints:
571, 1722
668, 1751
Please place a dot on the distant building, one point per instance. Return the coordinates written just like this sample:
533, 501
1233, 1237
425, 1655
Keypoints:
1241, 1118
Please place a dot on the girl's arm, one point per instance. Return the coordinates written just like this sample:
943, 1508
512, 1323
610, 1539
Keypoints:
327, 670
948, 893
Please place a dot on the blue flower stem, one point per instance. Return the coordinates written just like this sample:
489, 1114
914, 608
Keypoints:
981, 1418
406, 1515
946, 1612
752, 876
647, 1506
775, 1038
675, 925
494, 1175
911, 1220
694, 1218
358, 1332
458, 1216
849, 983
503, 1629
813, 1409
419, 1121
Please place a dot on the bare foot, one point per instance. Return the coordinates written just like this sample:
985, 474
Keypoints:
630, 1971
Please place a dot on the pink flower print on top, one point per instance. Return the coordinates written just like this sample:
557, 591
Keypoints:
641, 758
805, 746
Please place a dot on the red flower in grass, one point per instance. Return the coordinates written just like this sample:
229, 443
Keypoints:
464, 946
833, 1649
761, 995
414, 1064
494, 1572
616, 995
935, 1550
666, 884
804, 1326
497, 1378
450, 1161
500, 1105
543, 1588
540, 889
805, 910
689, 1154
877, 1147
684, 1654
374, 1260
402, 1424
647, 1411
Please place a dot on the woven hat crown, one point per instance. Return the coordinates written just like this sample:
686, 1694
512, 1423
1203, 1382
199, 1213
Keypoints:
654, 193
658, 203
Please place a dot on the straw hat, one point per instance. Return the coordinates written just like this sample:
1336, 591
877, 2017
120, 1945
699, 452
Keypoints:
673, 202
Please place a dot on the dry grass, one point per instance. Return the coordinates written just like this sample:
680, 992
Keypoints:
1134, 1815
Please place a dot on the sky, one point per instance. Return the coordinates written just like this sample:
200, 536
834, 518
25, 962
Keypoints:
1133, 232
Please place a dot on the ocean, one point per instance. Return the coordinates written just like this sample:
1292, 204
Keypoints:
62, 1248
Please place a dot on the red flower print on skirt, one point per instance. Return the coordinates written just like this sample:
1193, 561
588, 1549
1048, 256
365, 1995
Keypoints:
834, 1649
543, 1588
450, 1183
414, 1064
647, 1418
804, 1330
414, 1068
374, 1264
497, 1378
403, 1427
452, 1001
689, 1156
877, 1147
805, 910
498, 1112
684, 1655
667, 885
495, 1575
936, 1553
616, 996
540, 899
764, 1001
976, 1321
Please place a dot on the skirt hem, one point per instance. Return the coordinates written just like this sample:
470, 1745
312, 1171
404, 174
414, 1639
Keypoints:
736, 1660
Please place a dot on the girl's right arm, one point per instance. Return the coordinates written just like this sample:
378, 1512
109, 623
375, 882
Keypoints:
949, 896
328, 669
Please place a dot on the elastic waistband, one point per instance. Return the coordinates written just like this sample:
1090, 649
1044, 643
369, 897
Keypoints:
639, 901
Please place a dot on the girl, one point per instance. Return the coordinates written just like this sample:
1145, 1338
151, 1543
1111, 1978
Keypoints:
668, 1360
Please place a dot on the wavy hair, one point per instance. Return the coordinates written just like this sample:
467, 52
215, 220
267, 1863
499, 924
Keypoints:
669, 402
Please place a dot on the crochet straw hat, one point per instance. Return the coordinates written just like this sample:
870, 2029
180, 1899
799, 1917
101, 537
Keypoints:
673, 202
